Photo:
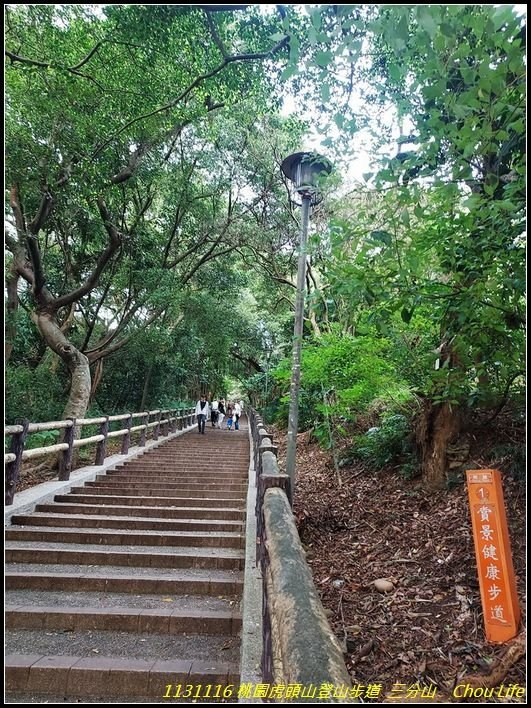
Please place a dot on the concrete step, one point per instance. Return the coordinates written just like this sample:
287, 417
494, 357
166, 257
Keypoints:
67, 676
174, 476
151, 557
187, 469
148, 500
94, 521
123, 589
225, 539
124, 580
216, 455
156, 492
126, 645
166, 620
187, 603
124, 482
228, 513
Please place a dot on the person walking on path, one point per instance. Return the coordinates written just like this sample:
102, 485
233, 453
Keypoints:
221, 411
214, 413
229, 416
201, 412
237, 414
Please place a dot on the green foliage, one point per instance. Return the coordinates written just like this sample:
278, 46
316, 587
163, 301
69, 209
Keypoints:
44, 438
135, 108
388, 443
433, 253
340, 376
418, 276
34, 394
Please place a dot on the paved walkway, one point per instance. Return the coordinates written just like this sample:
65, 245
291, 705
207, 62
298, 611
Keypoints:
132, 583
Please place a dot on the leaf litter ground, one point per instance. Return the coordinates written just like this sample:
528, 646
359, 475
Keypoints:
429, 628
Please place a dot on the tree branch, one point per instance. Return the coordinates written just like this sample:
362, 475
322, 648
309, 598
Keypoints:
203, 77
29, 237
88, 57
42, 214
25, 60
19, 258
47, 64
215, 36
247, 360
92, 324
92, 280
126, 317
118, 345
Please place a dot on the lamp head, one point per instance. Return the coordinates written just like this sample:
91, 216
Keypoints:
304, 170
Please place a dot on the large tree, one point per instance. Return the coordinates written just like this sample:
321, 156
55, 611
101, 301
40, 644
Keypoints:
102, 125
445, 230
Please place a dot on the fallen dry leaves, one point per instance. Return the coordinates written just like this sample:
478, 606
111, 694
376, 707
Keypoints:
377, 525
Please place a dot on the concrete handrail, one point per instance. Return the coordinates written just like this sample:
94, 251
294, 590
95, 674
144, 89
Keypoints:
305, 650
299, 646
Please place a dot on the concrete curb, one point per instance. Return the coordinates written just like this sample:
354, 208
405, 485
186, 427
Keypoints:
27, 500
251, 646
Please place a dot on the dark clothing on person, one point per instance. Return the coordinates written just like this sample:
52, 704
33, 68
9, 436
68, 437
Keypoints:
201, 411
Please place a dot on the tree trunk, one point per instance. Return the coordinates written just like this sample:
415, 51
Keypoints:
96, 379
79, 396
438, 425
76, 361
11, 314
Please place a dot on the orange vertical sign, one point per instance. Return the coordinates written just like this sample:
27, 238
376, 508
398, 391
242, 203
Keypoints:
499, 599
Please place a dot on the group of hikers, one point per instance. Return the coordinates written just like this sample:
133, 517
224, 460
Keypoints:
216, 412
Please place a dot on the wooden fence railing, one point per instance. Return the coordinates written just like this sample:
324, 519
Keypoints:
164, 422
299, 646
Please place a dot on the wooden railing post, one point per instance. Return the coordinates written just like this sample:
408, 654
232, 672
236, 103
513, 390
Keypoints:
156, 429
13, 467
65, 462
145, 421
102, 445
127, 437
173, 420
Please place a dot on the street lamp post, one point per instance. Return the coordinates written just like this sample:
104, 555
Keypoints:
268, 353
303, 169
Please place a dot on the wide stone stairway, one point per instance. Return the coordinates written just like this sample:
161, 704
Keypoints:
131, 585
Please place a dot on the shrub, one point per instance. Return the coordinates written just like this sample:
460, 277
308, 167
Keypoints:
390, 442
341, 375
35, 394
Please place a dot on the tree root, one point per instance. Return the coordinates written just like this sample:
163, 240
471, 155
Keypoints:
37, 468
514, 651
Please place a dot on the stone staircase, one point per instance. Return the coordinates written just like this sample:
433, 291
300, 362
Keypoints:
131, 585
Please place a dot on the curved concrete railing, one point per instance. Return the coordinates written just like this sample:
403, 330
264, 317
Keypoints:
299, 646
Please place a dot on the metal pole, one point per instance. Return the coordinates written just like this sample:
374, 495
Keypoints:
293, 419
266, 391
